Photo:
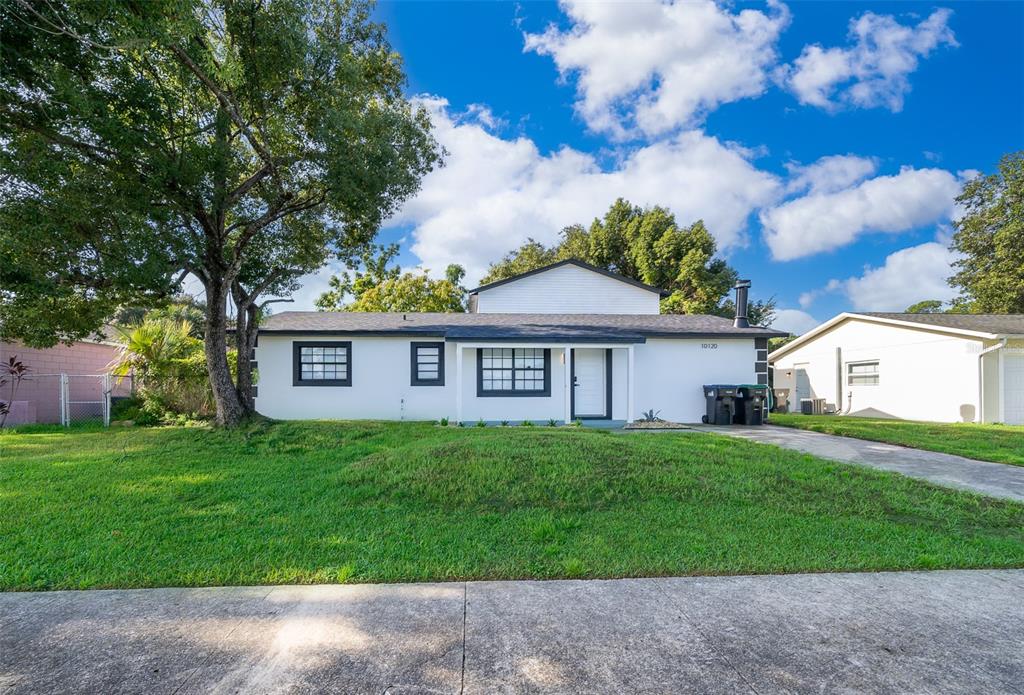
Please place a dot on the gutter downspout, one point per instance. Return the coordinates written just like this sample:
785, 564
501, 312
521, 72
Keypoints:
981, 377
839, 381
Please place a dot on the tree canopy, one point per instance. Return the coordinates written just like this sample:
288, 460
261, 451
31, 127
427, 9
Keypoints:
246, 143
646, 245
990, 237
381, 288
928, 306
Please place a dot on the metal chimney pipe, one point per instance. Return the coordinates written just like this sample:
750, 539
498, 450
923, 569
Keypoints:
741, 304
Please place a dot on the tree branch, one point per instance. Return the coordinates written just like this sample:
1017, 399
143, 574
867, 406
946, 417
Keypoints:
227, 104
246, 186
274, 301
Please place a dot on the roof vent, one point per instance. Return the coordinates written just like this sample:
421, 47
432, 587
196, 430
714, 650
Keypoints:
742, 286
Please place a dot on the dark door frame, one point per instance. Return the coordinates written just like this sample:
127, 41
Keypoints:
607, 415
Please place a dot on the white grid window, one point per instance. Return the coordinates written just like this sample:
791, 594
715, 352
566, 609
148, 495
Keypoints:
323, 363
862, 374
512, 369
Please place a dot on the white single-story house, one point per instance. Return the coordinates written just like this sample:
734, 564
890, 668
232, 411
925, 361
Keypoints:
564, 342
938, 367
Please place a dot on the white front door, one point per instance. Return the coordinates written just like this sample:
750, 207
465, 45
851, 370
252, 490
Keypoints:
590, 388
803, 387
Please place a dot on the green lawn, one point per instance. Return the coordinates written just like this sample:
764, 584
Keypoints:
375, 502
1000, 443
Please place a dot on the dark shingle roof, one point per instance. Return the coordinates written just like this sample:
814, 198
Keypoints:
1000, 324
594, 327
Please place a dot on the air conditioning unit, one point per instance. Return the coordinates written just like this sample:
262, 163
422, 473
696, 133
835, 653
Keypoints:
812, 406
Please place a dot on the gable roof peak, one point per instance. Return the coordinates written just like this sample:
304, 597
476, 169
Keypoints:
579, 264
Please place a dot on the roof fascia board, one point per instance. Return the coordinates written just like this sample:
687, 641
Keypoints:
810, 335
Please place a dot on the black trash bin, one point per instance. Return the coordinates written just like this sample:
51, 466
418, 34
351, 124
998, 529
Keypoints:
752, 404
721, 404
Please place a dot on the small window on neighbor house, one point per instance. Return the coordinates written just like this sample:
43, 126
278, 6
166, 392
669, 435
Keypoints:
427, 364
322, 363
862, 374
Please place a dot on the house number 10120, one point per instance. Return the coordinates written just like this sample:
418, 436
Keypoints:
709, 346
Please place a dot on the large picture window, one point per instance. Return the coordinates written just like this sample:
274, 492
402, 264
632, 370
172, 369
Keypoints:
513, 372
322, 363
427, 364
862, 374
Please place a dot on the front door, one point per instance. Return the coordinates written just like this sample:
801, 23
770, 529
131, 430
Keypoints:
590, 386
803, 387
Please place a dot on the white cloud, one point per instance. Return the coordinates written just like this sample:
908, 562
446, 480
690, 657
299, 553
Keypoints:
808, 298
794, 321
830, 174
494, 193
821, 222
874, 71
654, 67
908, 276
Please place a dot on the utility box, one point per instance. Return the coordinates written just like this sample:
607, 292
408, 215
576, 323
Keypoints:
721, 404
812, 406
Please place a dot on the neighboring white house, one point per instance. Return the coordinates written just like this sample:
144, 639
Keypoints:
565, 342
939, 367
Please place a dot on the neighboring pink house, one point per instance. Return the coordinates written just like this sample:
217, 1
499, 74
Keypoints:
38, 397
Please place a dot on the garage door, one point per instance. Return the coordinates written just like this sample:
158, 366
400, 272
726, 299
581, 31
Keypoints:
1013, 387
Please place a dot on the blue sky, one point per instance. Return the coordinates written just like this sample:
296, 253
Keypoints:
822, 142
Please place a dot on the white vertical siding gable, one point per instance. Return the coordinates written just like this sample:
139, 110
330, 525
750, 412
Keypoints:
567, 289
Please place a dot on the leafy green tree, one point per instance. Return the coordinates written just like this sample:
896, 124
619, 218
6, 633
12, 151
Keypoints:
646, 245
183, 307
379, 287
776, 343
246, 143
990, 237
928, 306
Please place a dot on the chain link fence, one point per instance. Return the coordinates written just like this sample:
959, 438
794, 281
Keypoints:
67, 399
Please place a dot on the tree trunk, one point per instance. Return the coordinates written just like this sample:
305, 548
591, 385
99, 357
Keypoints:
230, 411
245, 342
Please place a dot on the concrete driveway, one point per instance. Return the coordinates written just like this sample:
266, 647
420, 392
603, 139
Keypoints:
949, 632
994, 479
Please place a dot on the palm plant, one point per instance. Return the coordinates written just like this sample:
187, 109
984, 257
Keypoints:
11, 373
150, 347
167, 363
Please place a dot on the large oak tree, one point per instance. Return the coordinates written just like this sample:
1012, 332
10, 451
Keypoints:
646, 245
990, 240
244, 141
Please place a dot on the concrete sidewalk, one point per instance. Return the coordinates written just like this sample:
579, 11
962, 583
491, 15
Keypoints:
949, 632
993, 479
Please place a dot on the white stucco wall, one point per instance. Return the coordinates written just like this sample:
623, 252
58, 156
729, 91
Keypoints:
537, 409
380, 383
669, 376
671, 373
923, 374
567, 289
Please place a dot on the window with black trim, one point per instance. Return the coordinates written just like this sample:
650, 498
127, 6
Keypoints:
327, 363
862, 373
513, 372
427, 364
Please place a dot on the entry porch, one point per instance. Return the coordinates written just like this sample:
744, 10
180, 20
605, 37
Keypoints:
503, 381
